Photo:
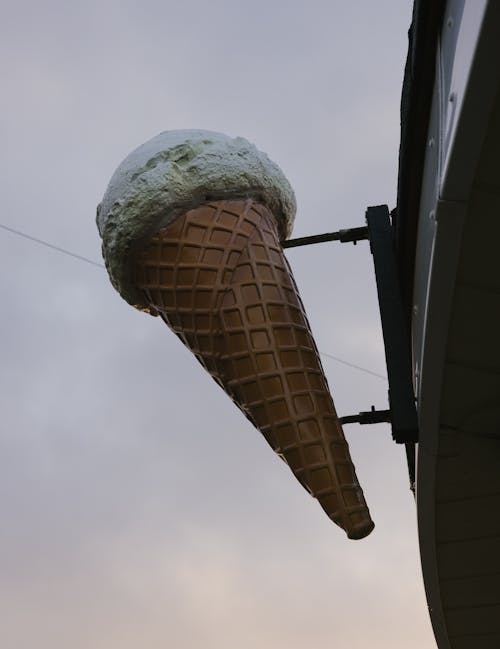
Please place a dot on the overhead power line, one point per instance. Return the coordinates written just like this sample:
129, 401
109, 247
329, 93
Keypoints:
63, 251
52, 246
356, 367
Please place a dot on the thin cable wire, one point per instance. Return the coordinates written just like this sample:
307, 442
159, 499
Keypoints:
356, 367
41, 242
52, 246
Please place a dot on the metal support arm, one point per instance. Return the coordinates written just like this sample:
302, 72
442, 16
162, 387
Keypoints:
351, 235
402, 413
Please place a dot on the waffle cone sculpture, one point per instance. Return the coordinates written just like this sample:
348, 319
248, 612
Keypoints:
216, 274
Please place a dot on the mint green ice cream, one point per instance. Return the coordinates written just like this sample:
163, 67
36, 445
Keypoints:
172, 173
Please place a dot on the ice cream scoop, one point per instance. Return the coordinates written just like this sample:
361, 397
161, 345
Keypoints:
172, 173
191, 225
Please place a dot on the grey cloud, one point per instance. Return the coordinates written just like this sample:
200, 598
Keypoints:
138, 508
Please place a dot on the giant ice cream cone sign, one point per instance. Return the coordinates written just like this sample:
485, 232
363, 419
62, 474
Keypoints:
191, 224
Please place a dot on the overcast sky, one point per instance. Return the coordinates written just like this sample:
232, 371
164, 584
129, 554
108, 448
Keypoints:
139, 509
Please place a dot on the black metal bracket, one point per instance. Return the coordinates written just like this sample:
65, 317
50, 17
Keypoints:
351, 235
368, 417
396, 342
402, 413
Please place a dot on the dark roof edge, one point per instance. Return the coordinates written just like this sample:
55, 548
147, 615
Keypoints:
416, 99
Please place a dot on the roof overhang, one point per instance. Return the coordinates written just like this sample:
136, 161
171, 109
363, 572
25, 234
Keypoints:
447, 224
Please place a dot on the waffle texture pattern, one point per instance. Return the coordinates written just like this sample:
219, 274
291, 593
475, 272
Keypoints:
218, 277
